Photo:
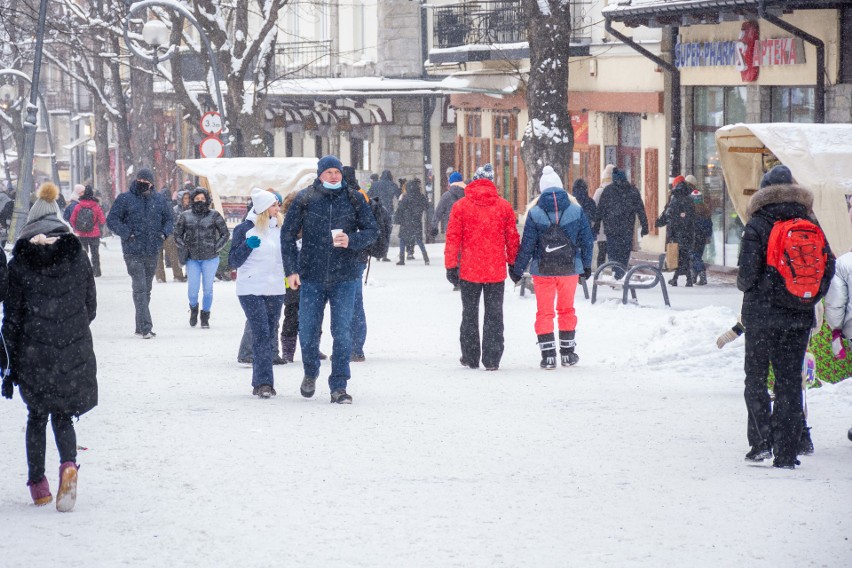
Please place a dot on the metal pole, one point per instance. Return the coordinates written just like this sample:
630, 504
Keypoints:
25, 178
214, 62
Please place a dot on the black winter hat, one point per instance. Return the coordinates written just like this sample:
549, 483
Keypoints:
200, 191
779, 175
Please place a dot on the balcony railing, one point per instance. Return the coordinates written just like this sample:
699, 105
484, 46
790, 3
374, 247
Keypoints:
300, 60
472, 23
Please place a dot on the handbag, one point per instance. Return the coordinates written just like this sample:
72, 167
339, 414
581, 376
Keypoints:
672, 251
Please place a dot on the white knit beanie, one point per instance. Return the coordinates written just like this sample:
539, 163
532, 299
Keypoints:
261, 200
549, 178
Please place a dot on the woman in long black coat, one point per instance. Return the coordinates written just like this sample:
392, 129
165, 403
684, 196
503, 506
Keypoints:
50, 303
409, 217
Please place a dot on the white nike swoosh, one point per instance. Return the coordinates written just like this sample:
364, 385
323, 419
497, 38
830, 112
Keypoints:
548, 249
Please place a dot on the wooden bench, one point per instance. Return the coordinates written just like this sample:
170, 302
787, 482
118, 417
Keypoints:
631, 279
527, 284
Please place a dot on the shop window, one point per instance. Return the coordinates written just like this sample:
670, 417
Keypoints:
792, 104
507, 162
714, 107
630, 147
475, 149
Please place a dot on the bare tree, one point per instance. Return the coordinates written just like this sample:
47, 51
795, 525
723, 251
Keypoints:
548, 139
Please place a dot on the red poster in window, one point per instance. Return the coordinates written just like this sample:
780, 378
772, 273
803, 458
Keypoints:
747, 57
580, 124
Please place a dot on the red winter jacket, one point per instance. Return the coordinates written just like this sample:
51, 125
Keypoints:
100, 219
482, 237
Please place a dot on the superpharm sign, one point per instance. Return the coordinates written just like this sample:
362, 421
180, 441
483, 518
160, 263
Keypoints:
767, 52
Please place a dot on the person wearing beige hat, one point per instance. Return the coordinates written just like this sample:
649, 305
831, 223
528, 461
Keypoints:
600, 238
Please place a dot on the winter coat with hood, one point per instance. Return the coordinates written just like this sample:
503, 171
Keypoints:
838, 300
315, 211
50, 304
555, 203
385, 190
606, 179
580, 190
260, 271
771, 204
619, 206
201, 232
143, 219
409, 212
89, 202
482, 237
679, 217
445, 205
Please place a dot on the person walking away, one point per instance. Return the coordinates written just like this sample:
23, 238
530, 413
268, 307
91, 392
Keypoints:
290, 325
50, 304
170, 256
200, 234
142, 219
482, 240
446, 202
76, 193
778, 309
619, 207
557, 245
385, 191
580, 191
335, 224
703, 231
600, 233
256, 253
87, 220
679, 217
409, 217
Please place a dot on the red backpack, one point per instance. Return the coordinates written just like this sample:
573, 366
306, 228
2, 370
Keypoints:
798, 253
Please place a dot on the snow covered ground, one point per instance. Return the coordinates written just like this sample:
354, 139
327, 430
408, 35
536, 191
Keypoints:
632, 458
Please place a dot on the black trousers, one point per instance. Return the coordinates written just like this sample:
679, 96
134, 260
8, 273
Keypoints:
290, 326
491, 350
141, 270
684, 262
601, 252
618, 249
63, 433
92, 246
782, 425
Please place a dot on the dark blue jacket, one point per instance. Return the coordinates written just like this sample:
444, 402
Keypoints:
314, 213
141, 222
572, 220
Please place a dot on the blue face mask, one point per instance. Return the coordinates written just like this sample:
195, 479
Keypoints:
337, 185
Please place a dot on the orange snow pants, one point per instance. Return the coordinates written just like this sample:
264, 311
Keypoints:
558, 290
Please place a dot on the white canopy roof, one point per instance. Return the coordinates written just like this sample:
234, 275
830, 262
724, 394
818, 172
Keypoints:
819, 155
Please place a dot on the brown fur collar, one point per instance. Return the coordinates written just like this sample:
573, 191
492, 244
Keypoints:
780, 194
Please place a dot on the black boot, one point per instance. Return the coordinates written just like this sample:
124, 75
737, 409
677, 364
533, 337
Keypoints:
566, 348
547, 344
702, 278
673, 281
193, 315
425, 258
205, 320
401, 261
689, 278
288, 348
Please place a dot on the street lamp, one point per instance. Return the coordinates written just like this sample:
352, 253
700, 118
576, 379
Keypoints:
156, 34
25, 178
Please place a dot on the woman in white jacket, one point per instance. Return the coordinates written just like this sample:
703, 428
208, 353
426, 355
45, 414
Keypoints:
838, 305
256, 254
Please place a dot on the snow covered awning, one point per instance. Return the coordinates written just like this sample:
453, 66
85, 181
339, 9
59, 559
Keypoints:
496, 85
659, 13
336, 87
817, 154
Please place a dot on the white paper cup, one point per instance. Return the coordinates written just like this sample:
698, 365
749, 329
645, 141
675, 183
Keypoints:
334, 233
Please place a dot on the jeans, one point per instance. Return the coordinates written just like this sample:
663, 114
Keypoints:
359, 318
262, 313
782, 424
196, 272
141, 270
698, 259
63, 433
313, 297
92, 246
492, 328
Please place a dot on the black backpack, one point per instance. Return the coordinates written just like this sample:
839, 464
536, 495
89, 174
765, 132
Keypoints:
556, 250
85, 221
379, 248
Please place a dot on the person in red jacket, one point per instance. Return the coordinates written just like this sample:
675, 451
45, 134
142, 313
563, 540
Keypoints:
482, 239
87, 226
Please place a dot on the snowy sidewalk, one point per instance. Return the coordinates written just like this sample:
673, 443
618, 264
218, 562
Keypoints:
632, 458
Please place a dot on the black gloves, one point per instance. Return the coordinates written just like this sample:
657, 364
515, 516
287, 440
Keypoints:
433, 232
7, 389
587, 273
515, 277
453, 276
643, 232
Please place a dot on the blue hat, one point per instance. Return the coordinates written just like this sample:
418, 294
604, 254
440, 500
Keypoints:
327, 163
455, 177
779, 175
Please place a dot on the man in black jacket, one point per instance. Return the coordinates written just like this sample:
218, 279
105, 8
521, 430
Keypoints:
776, 335
619, 207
